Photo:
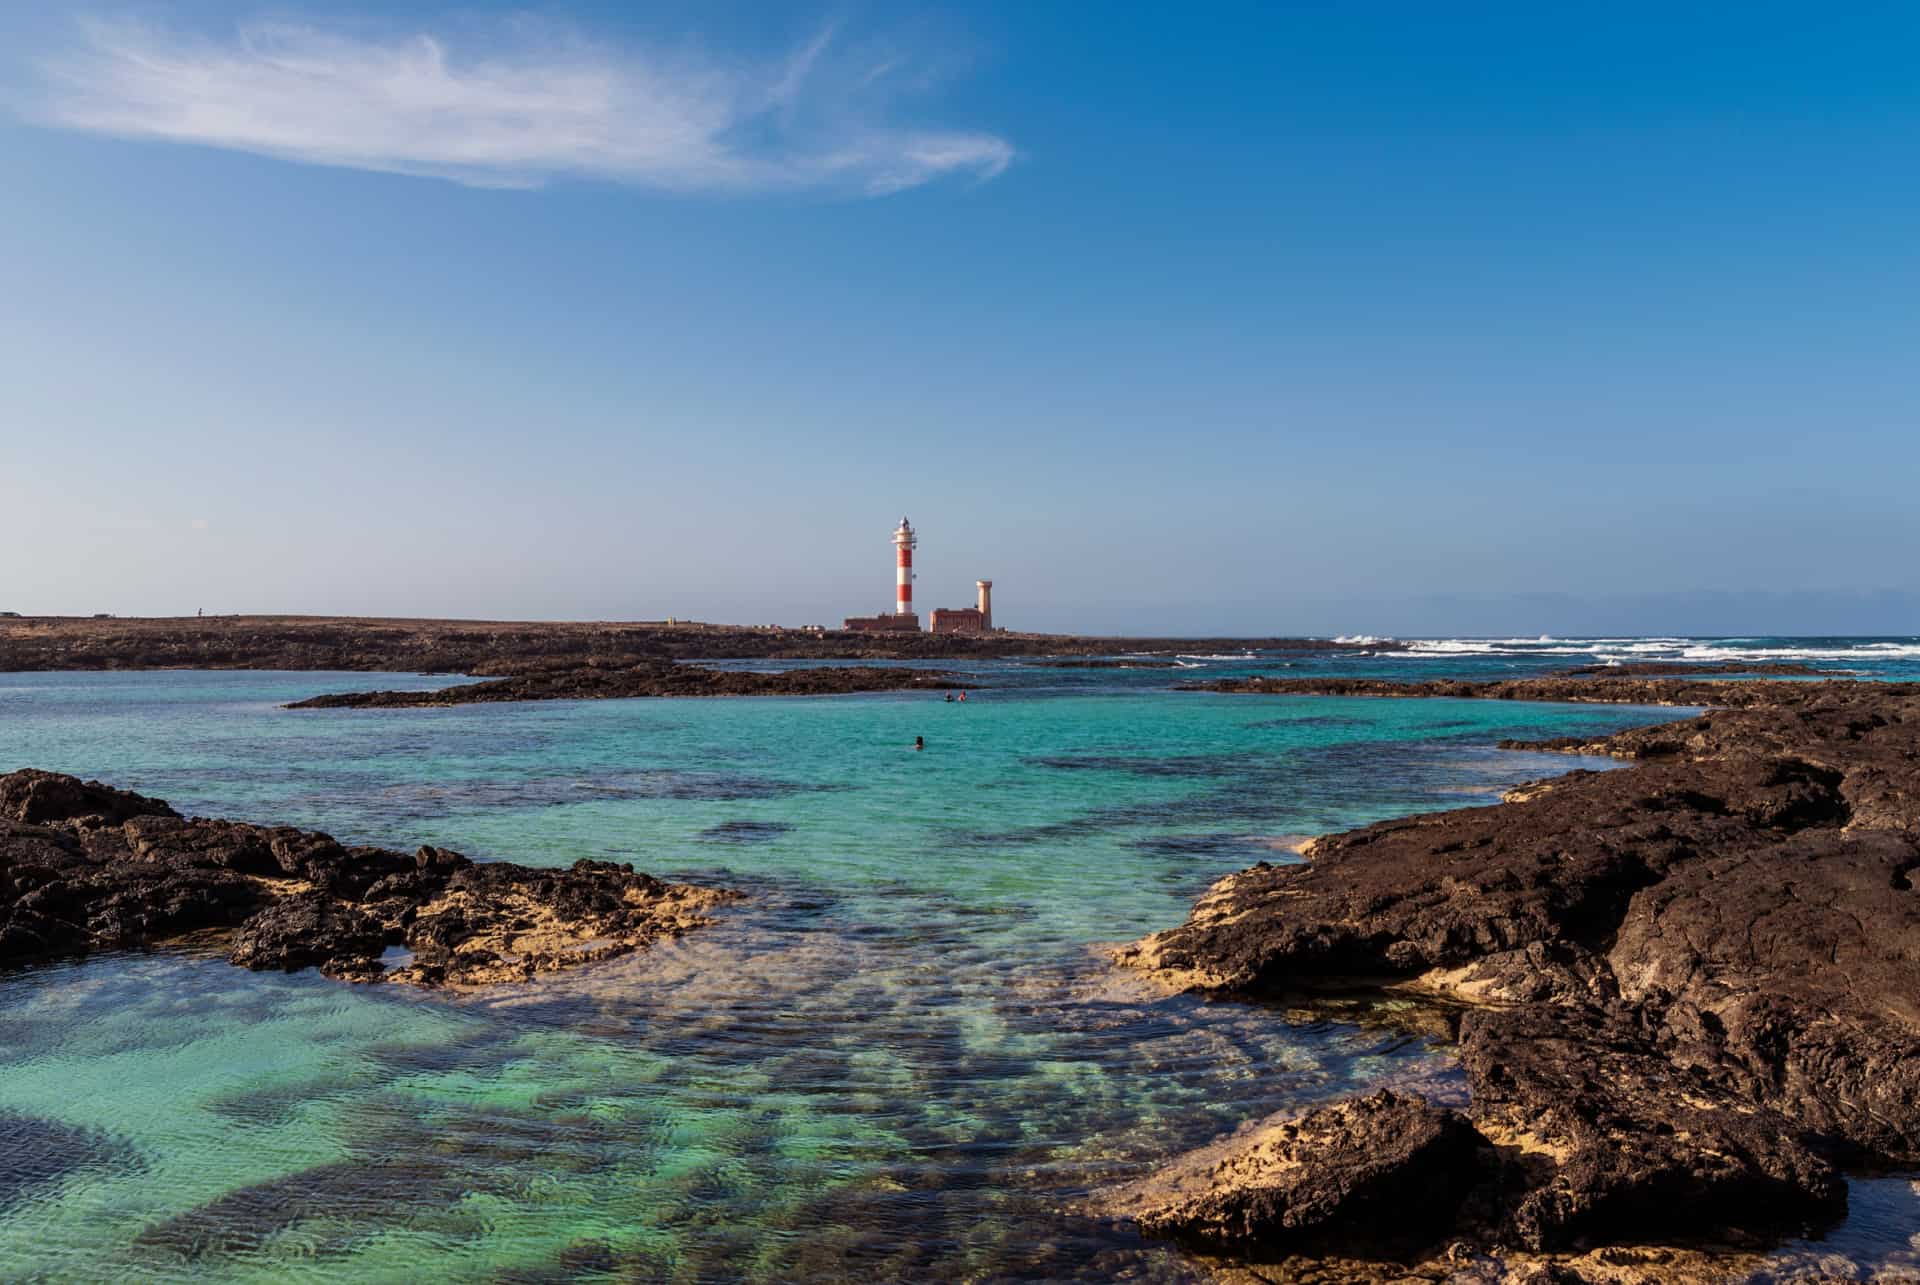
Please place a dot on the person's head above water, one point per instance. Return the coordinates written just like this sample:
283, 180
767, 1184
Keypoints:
919, 742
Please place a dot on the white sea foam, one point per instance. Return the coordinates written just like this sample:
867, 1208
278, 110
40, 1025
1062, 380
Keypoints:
1493, 647
1865, 651
1665, 648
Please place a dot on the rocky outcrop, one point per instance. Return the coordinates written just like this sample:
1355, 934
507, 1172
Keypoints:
496, 922
84, 866
1609, 1142
1385, 1169
311, 930
659, 678
1684, 991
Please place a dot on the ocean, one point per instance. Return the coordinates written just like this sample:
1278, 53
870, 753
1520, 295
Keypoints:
902, 1056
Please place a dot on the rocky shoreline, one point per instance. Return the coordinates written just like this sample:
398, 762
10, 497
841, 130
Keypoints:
84, 866
1737, 693
1684, 993
660, 678
486, 648
553, 660
1104, 663
1698, 669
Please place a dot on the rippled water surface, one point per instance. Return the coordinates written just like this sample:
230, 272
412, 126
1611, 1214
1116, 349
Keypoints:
900, 1057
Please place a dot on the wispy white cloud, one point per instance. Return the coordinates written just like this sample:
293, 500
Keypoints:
512, 107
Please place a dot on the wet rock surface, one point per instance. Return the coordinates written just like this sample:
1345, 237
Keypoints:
85, 866
1610, 1142
1383, 1169
656, 678
1685, 993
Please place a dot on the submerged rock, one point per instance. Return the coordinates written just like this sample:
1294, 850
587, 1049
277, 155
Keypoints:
1690, 984
41, 1153
83, 866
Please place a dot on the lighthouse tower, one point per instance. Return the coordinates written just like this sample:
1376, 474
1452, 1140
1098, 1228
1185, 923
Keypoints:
904, 541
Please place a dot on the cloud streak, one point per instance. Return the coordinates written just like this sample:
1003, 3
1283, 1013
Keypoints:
519, 107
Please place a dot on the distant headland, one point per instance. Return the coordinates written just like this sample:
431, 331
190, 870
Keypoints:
553, 660
405, 645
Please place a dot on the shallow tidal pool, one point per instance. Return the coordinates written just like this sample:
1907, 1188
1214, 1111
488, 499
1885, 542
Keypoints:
902, 1056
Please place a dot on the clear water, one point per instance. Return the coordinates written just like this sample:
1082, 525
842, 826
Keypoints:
900, 1057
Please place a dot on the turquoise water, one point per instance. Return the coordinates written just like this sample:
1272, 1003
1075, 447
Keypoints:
900, 1057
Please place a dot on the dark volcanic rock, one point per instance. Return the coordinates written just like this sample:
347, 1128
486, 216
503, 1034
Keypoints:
1381, 1172
1737, 693
1437, 891
1792, 971
102, 867
39, 798
552, 660
1612, 1143
493, 648
1695, 669
663, 678
308, 930
1704, 967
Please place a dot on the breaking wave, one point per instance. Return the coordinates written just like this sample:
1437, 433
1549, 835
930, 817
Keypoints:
1670, 648
1863, 651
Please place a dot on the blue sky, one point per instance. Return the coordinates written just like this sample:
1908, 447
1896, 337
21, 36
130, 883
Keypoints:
1250, 318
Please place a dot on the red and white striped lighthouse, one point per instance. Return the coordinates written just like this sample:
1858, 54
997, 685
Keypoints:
904, 541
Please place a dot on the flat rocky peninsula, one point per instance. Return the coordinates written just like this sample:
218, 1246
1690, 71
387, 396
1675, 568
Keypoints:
495, 648
651, 678
84, 866
1685, 995
548, 660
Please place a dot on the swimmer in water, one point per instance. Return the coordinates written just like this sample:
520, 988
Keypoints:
919, 742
